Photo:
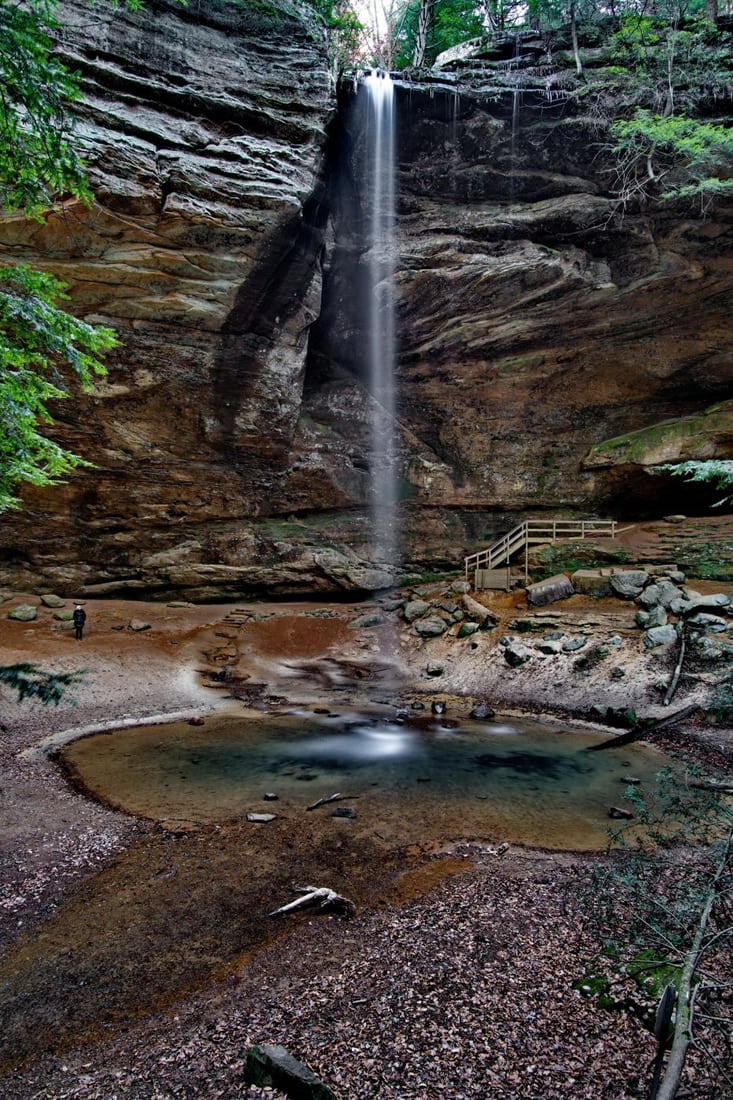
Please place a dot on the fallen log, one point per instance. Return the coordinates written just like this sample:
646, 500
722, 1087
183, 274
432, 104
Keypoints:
643, 729
321, 896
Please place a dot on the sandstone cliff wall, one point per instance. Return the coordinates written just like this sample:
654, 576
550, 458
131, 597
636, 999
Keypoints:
227, 247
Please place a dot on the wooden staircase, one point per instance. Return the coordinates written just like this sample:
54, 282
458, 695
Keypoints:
533, 531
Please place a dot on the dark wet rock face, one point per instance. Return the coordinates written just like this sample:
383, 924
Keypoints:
230, 438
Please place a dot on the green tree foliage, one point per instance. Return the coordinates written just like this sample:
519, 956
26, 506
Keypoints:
717, 472
42, 348
40, 345
38, 161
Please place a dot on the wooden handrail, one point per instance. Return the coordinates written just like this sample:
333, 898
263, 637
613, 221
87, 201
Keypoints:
534, 531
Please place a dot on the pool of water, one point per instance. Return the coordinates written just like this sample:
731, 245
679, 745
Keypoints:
520, 781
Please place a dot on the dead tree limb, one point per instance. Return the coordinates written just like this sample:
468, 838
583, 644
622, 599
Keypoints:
685, 1001
338, 797
641, 730
677, 670
321, 896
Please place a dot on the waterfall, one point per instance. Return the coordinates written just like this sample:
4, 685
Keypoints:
380, 136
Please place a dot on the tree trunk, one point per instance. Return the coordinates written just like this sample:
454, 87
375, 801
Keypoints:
424, 25
683, 1022
574, 34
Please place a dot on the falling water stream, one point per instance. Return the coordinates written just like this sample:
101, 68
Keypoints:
380, 137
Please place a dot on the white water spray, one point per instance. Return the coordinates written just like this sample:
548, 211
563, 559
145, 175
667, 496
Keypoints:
380, 132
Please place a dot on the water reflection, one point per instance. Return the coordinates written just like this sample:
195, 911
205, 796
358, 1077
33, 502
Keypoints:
414, 779
363, 743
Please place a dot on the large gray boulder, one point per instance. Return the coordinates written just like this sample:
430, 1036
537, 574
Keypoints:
629, 583
660, 635
431, 627
554, 588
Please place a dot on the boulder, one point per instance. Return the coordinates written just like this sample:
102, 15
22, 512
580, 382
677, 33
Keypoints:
571, 645
659, 635
656, 617
138, 625
548, 647
23, 613
50, 600
431, 627
591, 582
461, 588
516, 654
629, 583
482, 711
467, 629
712, 623
661, 592
415, 609
272, 1066
372, 618
434, 668
554, 588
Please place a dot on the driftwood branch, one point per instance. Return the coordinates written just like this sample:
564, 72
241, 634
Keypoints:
641, 730
320, 896
338, 797
676, 674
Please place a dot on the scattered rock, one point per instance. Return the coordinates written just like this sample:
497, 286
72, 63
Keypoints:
460, 587
138, 625
50, 600
467, 629
554, 588
434, 668
482, 712
674, 519
629, 583
344, 811
415, 609
548, 647
372, 618
261, 819
270, 796
713, 623
438, 706
23, 613
516, 654
271, 1066
660, 635
197, 721
591, 582
620, 814
570, 645
431, 628
656, 617
63, 616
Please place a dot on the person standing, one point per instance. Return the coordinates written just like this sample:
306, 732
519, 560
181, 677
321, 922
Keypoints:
79, 617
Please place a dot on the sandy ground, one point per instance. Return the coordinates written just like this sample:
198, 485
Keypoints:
69, 865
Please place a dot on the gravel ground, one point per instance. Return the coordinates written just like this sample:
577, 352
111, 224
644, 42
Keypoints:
461, 991
464, 994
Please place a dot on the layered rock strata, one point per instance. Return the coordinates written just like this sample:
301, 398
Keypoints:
228, 246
